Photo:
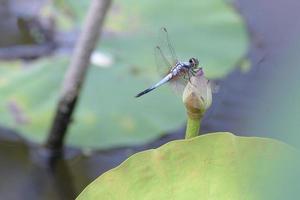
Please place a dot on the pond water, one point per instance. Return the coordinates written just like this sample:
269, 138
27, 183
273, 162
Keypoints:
23, 35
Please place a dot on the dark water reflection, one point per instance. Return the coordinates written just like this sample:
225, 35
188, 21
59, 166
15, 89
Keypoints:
264, 101
27, 172
23, 33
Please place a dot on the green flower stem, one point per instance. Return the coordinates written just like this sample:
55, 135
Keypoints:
192, 127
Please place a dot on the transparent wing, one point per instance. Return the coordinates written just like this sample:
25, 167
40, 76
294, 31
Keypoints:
215, 87
167, 46
166, 59
164, 67
164, 53
163, 64
178, 84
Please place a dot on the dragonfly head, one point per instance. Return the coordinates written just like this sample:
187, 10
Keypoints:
194, 62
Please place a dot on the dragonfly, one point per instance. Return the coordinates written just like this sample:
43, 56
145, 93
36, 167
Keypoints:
176, 72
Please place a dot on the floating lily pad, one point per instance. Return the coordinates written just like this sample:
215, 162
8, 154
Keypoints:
108, 115
213, 166
209, 30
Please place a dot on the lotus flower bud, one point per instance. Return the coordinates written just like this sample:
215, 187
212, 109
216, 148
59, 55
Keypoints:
197, 95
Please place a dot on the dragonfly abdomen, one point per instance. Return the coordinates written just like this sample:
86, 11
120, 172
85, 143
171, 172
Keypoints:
161, 82
145, 92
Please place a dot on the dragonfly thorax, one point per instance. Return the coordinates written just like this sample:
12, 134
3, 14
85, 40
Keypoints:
193, 63
179, 67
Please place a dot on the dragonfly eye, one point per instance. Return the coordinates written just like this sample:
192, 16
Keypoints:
194, 62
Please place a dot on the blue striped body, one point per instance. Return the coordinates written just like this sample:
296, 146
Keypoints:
175, 71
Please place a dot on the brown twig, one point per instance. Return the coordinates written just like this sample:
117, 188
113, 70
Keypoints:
76, 73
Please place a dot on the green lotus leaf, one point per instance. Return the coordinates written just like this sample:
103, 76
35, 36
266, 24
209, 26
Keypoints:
212, 166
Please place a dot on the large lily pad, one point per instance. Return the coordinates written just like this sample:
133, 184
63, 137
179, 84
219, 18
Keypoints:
213, 166
108, 115
209, 30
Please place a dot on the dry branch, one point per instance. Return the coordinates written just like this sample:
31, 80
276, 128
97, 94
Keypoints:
76, 73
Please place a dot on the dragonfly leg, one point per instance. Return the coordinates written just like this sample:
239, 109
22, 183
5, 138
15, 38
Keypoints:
190, 74
184, 76
194, 72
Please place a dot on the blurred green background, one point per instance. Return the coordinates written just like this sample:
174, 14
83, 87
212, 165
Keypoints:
108, 115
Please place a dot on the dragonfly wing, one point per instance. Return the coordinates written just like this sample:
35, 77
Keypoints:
165, 54
178, 85
166, 45
179, 82
215, 87
166, 59
163, 64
